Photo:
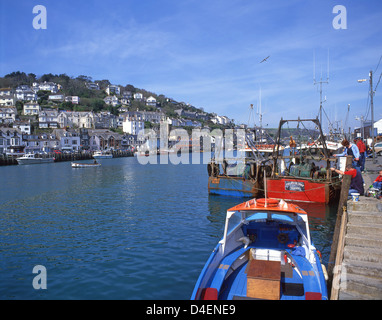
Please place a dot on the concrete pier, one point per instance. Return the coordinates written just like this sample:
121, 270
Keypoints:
357, 274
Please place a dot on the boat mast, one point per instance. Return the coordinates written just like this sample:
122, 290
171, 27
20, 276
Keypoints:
321, 82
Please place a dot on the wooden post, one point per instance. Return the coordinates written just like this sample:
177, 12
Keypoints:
346, 180
336, 274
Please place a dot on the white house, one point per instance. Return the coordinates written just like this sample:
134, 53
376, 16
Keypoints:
24, 126
6, 92
48, 118
11, 140
68, 140
31, 109
138, 96
56, 97
25, 93
8, 115
221, 120
151, 101
112, 89
46, 86
44, 142
378, 126
72, 99
92, 86
76, 119
111, 100
133, 125
7, 100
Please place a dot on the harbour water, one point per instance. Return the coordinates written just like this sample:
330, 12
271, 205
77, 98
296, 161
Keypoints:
120, 231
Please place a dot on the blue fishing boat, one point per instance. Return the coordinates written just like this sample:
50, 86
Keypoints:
266, 253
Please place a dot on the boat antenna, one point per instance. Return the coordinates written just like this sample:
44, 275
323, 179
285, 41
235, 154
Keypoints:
321, 82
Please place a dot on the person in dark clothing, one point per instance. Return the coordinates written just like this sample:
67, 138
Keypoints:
362, 153
350, 150
356, 184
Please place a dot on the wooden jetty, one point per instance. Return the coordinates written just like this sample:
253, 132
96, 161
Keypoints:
355, 263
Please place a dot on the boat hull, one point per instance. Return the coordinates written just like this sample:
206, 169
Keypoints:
299, 190
103, 157
232, 186
34, 161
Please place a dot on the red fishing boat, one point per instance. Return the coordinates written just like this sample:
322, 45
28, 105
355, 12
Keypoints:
302, 172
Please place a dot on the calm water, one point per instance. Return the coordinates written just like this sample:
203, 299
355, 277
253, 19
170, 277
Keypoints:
120, 231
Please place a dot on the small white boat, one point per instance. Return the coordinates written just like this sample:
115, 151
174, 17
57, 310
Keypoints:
31, 158
102, 155
85, 165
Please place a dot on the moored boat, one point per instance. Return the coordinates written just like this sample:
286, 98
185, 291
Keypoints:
32, 158
102, 155
266, 253
302, 172
243, 176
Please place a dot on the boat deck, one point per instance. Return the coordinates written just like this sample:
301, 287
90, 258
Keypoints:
293, 285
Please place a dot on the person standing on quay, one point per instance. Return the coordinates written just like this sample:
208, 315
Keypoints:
350, 150
362, 153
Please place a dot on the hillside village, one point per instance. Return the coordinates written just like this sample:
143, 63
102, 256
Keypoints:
57, 112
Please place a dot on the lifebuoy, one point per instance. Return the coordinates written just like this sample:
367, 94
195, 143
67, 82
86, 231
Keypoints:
269, 202
282, 238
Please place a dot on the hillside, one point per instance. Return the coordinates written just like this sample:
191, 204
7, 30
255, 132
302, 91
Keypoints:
90, 99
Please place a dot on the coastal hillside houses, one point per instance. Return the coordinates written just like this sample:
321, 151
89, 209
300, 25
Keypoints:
111, 100
74, 119
151, 101
25, 93
113, 90
7, 100
48, 118
191, 115
133, 125
185, 123
72, 99
6, 92
46, 86
35, 143
11, 141
7, 115
92, 86
150, 116
221, 120
103, 139
24, 126
138, 96
106, 120
31, 109
56, 98
68, 139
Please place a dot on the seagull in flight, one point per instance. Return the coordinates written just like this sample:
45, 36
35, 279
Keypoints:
265, 59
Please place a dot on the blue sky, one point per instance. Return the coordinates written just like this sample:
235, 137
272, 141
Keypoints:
207, 53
